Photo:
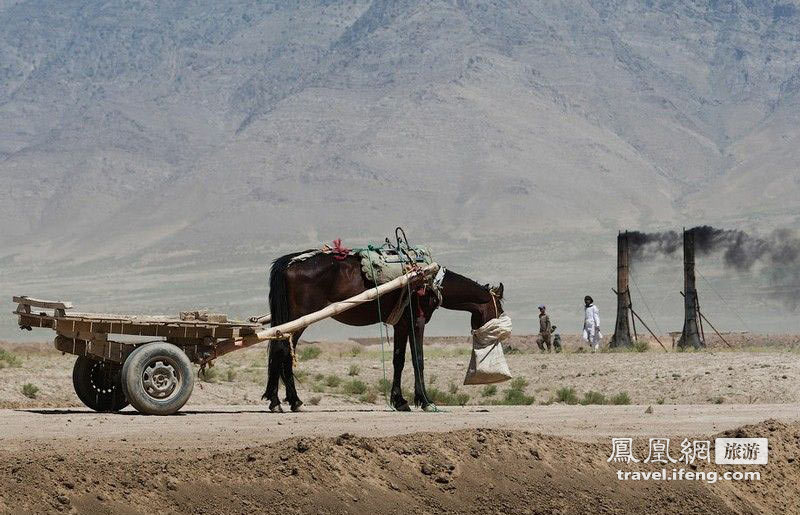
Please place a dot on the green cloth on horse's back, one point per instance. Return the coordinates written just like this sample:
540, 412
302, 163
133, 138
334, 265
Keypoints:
387, 265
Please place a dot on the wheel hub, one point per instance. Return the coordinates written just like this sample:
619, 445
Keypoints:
101, 378
160, 379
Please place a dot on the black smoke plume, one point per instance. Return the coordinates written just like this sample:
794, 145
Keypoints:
778, 253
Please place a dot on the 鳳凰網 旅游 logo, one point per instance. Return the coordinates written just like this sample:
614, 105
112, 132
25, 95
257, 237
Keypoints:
726, 451
741, 451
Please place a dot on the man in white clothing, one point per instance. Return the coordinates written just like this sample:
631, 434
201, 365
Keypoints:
591, 324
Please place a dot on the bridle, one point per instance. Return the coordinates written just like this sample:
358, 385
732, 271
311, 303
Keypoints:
494, 302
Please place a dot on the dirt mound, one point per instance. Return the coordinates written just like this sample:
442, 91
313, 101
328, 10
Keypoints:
469, 471
779, 488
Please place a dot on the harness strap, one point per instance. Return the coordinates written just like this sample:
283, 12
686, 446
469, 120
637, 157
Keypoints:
494, 302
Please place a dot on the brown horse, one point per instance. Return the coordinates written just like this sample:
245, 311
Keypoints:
310, 285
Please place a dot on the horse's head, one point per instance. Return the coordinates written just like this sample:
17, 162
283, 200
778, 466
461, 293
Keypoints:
483, 302
497, 291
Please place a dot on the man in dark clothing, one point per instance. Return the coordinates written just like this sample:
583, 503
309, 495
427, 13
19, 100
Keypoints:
545, 330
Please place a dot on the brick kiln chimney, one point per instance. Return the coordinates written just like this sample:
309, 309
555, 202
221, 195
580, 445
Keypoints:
690, 335
622, 329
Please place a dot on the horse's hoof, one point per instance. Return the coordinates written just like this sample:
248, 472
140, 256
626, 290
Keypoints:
403, 407
429, 408
296, 406
276, 408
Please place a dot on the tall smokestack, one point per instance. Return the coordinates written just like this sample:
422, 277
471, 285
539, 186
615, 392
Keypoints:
622, 330
691, 334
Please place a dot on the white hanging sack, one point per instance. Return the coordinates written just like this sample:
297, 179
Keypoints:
488, 363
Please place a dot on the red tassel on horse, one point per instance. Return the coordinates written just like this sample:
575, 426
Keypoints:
339, 251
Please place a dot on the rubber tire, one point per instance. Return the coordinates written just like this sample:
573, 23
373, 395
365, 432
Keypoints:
134, 368
86, 388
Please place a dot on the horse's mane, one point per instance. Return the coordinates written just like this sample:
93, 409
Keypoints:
471, 282
467, 279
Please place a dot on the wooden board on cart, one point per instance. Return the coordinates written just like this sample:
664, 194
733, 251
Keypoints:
137, 325
87, 334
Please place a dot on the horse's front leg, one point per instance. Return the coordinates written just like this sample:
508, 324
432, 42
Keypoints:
398, 361
418, 360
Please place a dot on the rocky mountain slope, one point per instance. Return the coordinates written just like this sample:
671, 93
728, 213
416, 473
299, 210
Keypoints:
183, 142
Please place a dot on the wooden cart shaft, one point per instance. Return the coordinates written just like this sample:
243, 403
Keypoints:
285, 330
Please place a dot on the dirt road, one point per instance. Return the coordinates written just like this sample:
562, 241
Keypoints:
218, 427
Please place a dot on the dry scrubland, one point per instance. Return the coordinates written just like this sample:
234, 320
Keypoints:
758, 370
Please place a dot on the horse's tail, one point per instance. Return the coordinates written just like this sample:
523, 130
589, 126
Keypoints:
279, 290
279, 309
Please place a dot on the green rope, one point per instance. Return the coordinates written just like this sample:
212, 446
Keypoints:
380, 332
414, 354
434, 409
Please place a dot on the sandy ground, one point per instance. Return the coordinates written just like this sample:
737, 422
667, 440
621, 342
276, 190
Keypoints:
347, 453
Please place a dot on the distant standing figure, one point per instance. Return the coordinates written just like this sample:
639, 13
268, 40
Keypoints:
556, 341
545, 330
591, 324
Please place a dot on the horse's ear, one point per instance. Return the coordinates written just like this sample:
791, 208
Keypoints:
499, 290
487, 286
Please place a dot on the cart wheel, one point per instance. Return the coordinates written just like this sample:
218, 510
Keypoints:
98, 384
158, 378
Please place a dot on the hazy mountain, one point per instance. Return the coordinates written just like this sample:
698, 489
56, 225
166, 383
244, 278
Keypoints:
155, 155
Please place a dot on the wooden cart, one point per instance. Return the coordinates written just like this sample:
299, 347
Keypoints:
157, 377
